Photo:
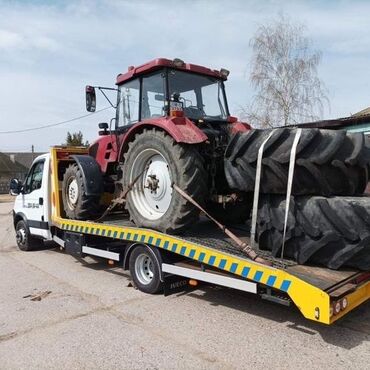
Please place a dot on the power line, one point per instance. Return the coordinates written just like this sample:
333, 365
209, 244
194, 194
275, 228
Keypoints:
53, 124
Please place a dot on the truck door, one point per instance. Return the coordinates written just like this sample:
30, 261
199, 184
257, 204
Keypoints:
34, 199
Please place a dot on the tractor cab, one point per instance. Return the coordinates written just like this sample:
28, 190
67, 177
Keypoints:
165, 88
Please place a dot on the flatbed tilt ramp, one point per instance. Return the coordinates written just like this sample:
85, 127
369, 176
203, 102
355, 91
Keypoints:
205, 254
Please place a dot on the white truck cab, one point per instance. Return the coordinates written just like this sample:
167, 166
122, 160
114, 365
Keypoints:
31, 212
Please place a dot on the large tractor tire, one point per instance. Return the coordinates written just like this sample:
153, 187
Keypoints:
160, 162
77, 204
328, 162
332, 232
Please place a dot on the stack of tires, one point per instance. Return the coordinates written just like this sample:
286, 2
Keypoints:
329, 215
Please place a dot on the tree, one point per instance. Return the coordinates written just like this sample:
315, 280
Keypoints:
75, 139
284, 74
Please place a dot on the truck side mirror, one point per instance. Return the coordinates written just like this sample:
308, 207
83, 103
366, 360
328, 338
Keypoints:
90, 99
15, 187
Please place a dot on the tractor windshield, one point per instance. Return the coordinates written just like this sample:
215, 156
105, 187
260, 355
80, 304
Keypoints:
202, 96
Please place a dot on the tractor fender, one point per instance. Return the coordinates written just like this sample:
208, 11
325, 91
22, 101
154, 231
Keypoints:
181, 129
91, 174
240, 127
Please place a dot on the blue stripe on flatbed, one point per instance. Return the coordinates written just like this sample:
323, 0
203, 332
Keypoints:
245, 271
258, 275
212, 260
285, 285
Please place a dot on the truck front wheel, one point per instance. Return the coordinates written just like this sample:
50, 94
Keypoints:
25, 241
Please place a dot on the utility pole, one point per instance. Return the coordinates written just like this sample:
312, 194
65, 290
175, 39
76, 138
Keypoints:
33, 152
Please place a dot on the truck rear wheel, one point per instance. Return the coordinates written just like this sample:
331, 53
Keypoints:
145, 271
25, 241
160, 162
77, 205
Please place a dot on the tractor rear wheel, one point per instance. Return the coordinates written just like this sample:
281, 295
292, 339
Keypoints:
159, 162
77, 205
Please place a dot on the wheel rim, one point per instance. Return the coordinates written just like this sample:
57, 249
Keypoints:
152, 194
20, 236
72, 192
144, 269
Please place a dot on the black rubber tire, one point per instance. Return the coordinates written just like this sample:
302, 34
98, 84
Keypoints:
187, 172
328, 162
333, 232
86, 207
155, 285
25, 241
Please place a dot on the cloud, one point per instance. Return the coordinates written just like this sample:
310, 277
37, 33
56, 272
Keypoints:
48, 53
10, 40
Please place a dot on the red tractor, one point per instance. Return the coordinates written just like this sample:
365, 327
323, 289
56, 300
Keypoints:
172, 125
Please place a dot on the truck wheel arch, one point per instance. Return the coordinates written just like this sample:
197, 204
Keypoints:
19, 216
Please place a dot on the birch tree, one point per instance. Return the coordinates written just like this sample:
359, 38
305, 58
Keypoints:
284, 74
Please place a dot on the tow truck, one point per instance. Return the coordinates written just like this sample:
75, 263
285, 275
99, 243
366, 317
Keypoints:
159, 262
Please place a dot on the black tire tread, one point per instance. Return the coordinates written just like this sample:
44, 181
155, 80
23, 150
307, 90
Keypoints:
334, 232
328, 162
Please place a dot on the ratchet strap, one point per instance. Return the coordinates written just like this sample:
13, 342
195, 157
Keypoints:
244, 247
257, 189
290, 184
122, 197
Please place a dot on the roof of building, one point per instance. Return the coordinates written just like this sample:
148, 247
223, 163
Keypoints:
24, 158
161, 63
364, 112
7, 166
338, 123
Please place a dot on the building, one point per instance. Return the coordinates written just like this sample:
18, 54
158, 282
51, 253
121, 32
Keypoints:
24, 158
14, 165
8, 170
359, 122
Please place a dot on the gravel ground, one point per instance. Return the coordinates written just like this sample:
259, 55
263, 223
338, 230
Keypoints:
90, 318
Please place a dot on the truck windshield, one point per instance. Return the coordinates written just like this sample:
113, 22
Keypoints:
202, 96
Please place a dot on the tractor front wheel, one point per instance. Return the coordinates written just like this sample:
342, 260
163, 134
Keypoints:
77, 204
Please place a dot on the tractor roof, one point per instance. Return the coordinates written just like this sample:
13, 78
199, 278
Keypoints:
161, 63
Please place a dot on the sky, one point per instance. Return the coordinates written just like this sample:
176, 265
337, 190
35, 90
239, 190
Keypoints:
49, 51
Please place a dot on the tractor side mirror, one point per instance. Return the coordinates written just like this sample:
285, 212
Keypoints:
15, 187
90, 99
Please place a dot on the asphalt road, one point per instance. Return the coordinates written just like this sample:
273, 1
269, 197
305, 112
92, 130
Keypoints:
90, 318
